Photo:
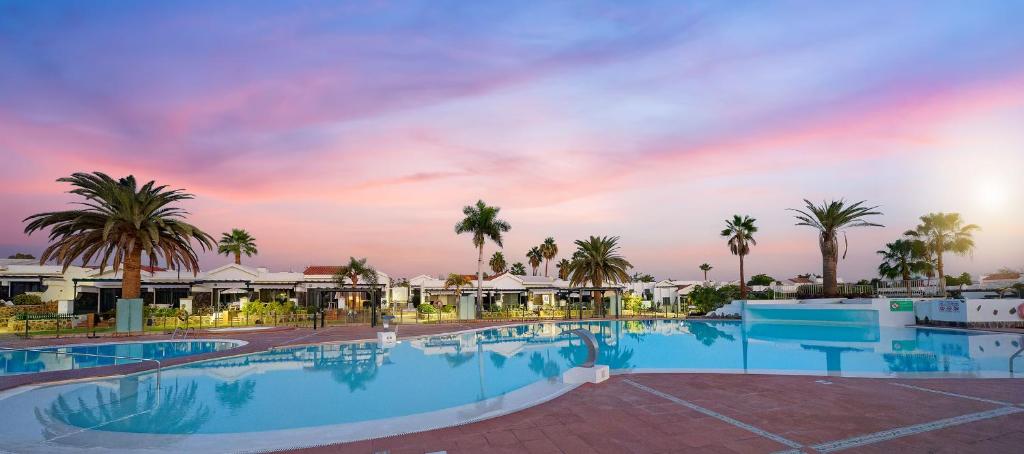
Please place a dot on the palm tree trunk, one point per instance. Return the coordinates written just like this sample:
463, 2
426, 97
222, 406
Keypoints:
829, 262
479, 281
546, 262
238, 258
743, 281
131, 276
942, 273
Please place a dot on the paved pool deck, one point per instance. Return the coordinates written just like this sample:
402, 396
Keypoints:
708, 413
669, 413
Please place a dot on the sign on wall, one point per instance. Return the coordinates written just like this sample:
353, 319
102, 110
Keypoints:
901, 306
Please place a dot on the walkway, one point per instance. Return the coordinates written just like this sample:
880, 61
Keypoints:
705, 413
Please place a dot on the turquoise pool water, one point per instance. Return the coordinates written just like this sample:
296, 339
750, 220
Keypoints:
262, 397
25, 362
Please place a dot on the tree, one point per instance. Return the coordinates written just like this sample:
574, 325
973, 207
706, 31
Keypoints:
117, 223
548, 250
482, 222
598, 262
941, 233
518, 269
237, 242
705, 268
456, 281
740, 232
901, 259
497, 263
355, 270
22, 255
830, 218
642, 277
761, 279
534, 257
563, 269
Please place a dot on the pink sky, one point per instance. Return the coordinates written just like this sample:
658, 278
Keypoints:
363, 129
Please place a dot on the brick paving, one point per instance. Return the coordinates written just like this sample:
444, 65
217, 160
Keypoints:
704, 413
615, 417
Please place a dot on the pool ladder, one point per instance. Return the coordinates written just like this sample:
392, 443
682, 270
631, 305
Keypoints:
183, 331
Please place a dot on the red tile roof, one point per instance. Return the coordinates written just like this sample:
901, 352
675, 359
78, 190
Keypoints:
801, 280
316, 270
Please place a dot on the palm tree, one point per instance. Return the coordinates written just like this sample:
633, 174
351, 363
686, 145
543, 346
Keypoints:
705, 268
481, 221
456, 281
237, 242
117, 223
740, 231
549, 250
901, 259
355, 270
598, 262
829, 219
534, 257
497, 263
518, 269
563, 269
944, 232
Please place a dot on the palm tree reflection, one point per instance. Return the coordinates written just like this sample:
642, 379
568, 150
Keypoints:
236, 394
172, 410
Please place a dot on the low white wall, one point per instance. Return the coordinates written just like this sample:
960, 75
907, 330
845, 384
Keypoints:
971, 310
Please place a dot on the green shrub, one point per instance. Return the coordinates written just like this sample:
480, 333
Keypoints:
26, 299
632, 302
426, 309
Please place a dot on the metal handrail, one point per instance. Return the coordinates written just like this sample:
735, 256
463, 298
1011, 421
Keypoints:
1015, 355
158, 364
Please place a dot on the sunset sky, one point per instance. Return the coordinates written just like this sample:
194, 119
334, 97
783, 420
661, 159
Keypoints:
363, 128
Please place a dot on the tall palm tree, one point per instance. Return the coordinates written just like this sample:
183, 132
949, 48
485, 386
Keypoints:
517, 269
237, 242
740, 231
830, 218
944, 232
355, 270
549, 250
117, 223
901, 259
483, 223
534, 257
497, 263
598, 262
705, 268
563, 269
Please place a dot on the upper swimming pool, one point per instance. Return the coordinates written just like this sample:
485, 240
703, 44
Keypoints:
79, 356
329, 393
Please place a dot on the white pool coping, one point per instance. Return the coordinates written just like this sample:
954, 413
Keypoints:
25, 436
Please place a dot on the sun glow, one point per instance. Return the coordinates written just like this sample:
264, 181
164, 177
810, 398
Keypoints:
991, 194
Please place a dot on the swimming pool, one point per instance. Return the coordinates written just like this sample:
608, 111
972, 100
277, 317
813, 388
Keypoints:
329, 393
26, 362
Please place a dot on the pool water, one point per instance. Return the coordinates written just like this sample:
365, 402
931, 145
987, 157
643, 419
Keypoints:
24, 362
334, 385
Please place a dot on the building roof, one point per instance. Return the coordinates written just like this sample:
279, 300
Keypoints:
320, 270
801, 280
1002, 277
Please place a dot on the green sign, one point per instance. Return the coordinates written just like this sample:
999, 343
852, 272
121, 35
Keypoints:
904, 345
901, 306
